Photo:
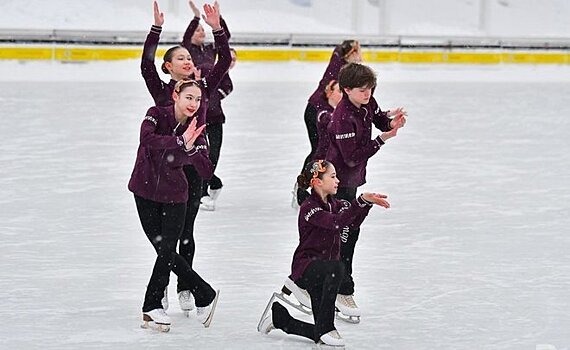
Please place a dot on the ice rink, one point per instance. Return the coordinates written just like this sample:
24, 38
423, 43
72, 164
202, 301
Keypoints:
473, 254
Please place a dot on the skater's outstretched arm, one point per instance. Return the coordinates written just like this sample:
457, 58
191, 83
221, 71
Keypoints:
192, 26
148, 68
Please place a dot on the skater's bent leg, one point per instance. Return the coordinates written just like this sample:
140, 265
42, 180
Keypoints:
162, 224
284, 321
312, 131
187, 246
346, 255
203, 293
323, 279
348, 241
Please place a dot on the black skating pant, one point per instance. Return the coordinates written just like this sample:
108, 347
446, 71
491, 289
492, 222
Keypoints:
312, 131
162, 224
187, 245
347, 243
215, 133
322, 280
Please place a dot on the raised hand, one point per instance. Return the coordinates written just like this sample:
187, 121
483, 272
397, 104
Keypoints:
192, 133
377, 198
194, 8
158, 16
212, 15
197, 73
399, 110
399, 121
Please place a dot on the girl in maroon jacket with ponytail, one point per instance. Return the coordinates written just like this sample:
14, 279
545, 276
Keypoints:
169, 140
316, 263
179, 65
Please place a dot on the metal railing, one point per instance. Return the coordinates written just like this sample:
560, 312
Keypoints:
102, 37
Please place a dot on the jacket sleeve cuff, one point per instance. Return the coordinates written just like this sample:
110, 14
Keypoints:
155, 29
379, 141
363, 202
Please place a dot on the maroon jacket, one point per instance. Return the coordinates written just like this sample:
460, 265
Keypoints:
161, 92
202, 53
336, 62
351, 143
158, 174
324, 117
215, 113
320, 225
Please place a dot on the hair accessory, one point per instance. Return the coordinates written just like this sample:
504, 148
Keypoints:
316, 169
182, 82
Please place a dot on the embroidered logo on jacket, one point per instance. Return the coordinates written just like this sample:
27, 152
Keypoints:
312, 212
151, 119
344, 136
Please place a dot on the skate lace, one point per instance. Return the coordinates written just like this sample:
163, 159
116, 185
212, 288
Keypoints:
201, 310
161, 312
185, 295
348, 301
335, 334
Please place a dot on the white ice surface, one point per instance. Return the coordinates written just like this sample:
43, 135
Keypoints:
473, 253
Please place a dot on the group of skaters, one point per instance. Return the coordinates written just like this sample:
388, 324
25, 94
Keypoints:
339, 116
173, 177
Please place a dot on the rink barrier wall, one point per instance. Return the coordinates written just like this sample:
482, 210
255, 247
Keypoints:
83, 53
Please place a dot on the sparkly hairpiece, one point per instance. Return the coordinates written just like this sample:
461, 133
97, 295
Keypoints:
316, 169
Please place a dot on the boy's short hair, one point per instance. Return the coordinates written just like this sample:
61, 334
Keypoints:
356, 75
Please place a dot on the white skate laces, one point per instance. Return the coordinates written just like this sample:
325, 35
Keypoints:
346, 305
186, 300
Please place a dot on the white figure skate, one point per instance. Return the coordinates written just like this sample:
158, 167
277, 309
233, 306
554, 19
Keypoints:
156, 319
206, 313
346, 309
186, 301
331, 340
295, 296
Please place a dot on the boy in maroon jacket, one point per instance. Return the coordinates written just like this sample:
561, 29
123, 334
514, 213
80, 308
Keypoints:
351, 145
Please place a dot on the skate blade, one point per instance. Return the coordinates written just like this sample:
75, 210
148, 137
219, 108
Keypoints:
267, 308
155, 326
322, 346
211, 315
348, 319
186, 313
